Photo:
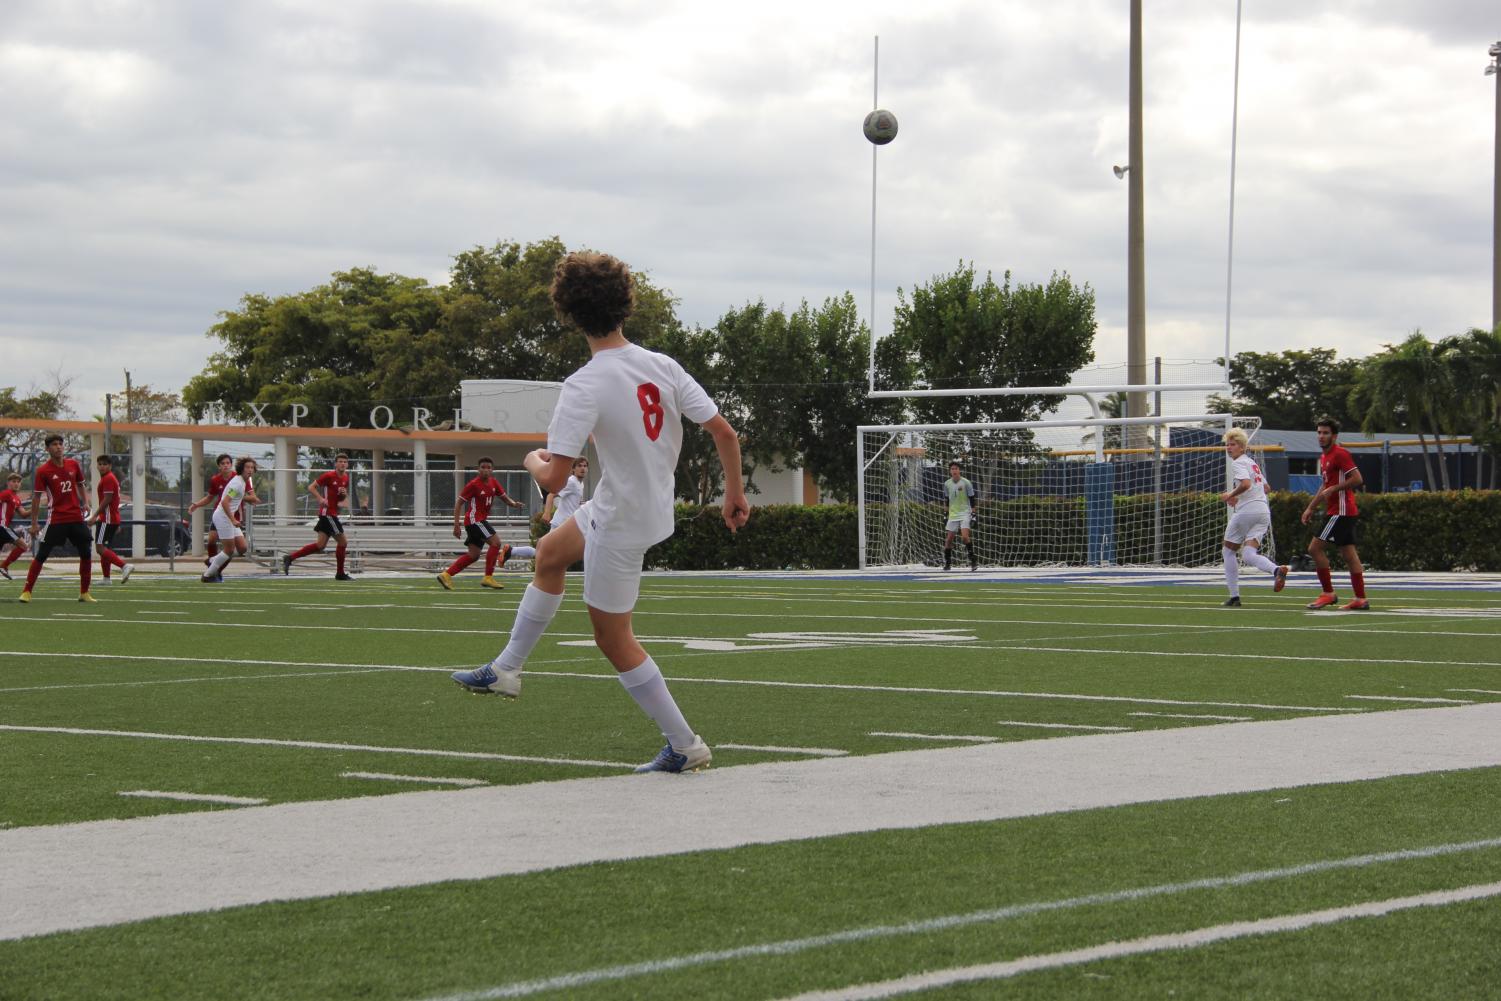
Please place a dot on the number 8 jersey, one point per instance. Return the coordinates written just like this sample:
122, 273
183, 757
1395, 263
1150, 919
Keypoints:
632, 401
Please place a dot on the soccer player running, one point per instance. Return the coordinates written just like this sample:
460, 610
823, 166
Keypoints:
335, 491
558, 507
1250, 519
961, 494
632, 402
11, 505
216, 485
106, 521
59, 483
473, 506
1342, 528
227, 521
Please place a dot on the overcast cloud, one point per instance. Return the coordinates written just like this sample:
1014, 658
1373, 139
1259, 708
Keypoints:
159, 160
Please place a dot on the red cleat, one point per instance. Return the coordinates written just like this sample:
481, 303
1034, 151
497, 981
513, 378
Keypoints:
1323, 601
1358, 605
1279, 579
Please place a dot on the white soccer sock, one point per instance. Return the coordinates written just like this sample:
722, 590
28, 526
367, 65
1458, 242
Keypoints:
1232, 572
649, 689
1253, 558
218, 562
523, 552
532, 618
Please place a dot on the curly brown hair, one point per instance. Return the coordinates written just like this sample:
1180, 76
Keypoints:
593, 291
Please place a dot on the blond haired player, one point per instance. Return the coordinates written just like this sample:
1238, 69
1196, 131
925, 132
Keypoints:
631, 401
1250, 518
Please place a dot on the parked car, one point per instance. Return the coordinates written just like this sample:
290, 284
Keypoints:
167, 534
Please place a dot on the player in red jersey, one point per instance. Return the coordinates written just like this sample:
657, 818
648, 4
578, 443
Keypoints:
473, 506
11, 505
1342, 528
106, 521
59, 482
210, 499
335, 491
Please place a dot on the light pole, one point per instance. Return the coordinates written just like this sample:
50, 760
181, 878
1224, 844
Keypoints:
1494, 69
1136, 271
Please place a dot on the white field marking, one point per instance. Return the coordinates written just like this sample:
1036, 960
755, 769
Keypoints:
817, 752
787, 947
807, 641
1406, 698
1444, 613
968, 737
1475, 691
317, 745
1227, 719
432, 780
1221, 655
1061, 726
190, 681
161, 611
1152, 943
196, 797
77, 615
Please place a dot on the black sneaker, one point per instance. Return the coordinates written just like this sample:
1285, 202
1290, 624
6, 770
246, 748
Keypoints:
1230, 603
5, 573
342, 576
286, 565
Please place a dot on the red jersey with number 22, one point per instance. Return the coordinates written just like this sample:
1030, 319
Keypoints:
63, 486
480, 494
1335, 465
335, 487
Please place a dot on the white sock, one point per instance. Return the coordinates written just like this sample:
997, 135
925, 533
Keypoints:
649, 689
218, 562
1232, 572
1253, 558
523, 552
532, 618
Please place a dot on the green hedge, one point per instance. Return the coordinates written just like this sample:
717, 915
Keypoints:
1455, 530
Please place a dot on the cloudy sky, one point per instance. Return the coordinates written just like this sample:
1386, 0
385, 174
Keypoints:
160, 159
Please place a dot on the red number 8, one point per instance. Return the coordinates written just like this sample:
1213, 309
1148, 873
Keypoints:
650, 398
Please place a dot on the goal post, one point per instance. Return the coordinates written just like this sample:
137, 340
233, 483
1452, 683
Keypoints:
1094, 492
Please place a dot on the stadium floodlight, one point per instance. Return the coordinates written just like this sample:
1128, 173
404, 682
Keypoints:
1120, 172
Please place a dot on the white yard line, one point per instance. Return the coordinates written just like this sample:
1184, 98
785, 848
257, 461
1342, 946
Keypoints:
195, 797
971, 738
160, 611
1407, 698
819, 752
109, 872
1192, 939
1062, 726
317, 745
1223, 719
1475, 691
429, 779
788, 947
191, 681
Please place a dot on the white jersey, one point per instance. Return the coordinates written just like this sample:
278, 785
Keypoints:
1244, 469
235, 491
569, 499
632, 401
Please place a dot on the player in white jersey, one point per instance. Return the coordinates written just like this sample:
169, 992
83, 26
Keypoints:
631, 401
1250, 519
227, 521
558, 507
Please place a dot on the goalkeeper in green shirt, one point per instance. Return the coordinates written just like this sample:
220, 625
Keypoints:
961, 495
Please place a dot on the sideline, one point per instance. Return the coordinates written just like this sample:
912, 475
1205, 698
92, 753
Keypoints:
110, 872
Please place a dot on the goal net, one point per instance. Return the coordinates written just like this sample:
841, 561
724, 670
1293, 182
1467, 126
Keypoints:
1109, 492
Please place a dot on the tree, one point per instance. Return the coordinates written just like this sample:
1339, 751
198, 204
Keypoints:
956, 333
1472, 361
1401, 388
37, 403
1290, 389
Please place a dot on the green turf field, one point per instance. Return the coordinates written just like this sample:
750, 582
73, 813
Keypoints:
281, 690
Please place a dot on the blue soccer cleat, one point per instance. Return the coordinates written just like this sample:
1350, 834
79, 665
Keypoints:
692, 758
488, 681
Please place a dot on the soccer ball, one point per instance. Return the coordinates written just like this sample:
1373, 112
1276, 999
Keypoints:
880, 127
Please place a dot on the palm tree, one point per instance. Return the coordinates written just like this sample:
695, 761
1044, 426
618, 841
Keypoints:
1473, 365
1406, 381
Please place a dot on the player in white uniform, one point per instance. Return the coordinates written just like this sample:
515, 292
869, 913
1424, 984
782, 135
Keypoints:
558, 507
1250, 519
632, 402
227, 521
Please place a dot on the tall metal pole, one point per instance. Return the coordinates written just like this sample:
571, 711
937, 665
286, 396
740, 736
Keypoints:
1230, 230
1495, 70
1136, 279
875, 99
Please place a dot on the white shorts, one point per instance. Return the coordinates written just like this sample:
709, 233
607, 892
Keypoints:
227, 529
1250, 522
612, 577
955, 524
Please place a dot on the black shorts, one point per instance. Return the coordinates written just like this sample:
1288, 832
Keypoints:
104, 533
1341, 530
75, 532
330, 524
8, 535
479, 533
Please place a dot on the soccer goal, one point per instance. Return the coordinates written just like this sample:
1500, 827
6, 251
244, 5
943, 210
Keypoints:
1098, 492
